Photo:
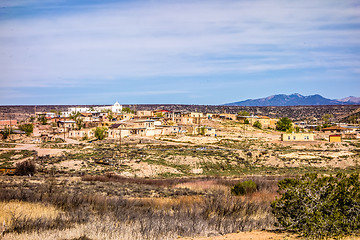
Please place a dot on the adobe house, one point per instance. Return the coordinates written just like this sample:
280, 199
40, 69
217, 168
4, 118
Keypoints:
87, 117
184, 120
118, 130
144, 128
8, 123
90, 133
209, 115
207, 131
266, 122
353, 135
127, 116
144, 113
190, 118
297, 137
65, 124
335, 129
42, 129
161, 113
169, 130
228, 116
172, 115
47, 138
196, 115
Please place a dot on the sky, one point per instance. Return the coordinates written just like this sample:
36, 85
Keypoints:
176, 51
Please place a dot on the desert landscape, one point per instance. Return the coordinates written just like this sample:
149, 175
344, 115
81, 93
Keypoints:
174, 186
189, 120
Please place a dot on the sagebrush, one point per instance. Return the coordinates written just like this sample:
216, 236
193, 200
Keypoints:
319, 207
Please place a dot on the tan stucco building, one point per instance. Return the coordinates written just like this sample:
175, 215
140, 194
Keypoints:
289, 137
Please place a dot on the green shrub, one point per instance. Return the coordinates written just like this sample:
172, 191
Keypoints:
319, 207
27, 128
42, 119
100, 133
257, 124
6, 133
59, 140
244, 113
201, 131
85, 137
243, 188
284, 124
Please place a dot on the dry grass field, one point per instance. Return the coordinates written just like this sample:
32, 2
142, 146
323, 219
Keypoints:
171, 187
69, 210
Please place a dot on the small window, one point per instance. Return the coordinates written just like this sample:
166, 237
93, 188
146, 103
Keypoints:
294, 137
288, 137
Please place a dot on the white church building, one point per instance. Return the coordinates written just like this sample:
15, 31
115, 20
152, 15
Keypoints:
116, 108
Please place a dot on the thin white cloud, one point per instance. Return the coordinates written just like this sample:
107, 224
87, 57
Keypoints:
175, 39
22, 3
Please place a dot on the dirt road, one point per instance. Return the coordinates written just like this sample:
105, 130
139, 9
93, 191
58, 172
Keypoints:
41, 151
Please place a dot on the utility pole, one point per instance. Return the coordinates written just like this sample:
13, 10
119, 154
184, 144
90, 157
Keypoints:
199, 124
120, 141
118, 163
10, 127
64, 131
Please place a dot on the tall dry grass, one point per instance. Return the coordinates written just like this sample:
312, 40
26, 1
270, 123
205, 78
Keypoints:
17, 209
211, 212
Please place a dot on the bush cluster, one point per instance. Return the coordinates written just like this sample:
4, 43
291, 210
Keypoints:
319, 207
25, 168
100, 133
257, 124
218, 213
243, 188
284, 124
27, 128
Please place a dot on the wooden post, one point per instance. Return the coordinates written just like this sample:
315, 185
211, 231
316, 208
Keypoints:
10, 127
120, 141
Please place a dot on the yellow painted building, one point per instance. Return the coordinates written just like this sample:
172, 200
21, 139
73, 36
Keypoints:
297, 137
266, 122
335, 138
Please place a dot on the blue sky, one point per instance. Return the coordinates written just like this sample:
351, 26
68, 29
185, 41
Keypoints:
191, 52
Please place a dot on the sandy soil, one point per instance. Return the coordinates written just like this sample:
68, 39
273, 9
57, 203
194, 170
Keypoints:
41, 151
144, 169
70, 164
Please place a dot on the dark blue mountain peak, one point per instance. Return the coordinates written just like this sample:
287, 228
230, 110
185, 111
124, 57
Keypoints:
294, 99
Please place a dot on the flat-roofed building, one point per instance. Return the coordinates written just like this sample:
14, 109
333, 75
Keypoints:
297, 137
8, 123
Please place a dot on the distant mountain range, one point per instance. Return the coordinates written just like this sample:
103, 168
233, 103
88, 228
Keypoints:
295, 100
